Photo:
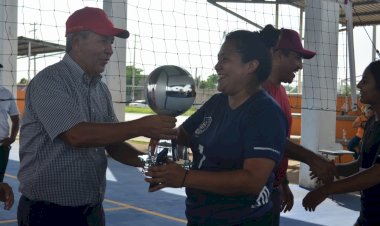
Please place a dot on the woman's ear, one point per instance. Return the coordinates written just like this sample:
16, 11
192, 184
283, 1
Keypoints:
253, 65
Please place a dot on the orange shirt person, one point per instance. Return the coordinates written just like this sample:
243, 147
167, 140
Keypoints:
359, 123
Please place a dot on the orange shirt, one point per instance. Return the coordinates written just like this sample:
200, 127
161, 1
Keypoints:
359, 120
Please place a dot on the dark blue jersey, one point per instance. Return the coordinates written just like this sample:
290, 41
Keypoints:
370, 198
222, 139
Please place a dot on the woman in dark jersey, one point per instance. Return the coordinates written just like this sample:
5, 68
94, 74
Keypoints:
363, 174
237, 139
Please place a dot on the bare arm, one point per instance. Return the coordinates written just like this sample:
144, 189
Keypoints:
249, 180
320, 166
125, 153
14, 131
356, 182
102, 134
299, 153
357, 122
347, 169
15, 127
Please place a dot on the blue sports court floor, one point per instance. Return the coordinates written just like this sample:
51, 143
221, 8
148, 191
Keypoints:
127, 202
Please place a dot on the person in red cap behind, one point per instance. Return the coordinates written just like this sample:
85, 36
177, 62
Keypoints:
68, 125
287, 60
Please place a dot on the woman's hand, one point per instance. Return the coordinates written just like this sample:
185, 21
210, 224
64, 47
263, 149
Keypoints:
168, 175
6, 195
287, 198
313, 199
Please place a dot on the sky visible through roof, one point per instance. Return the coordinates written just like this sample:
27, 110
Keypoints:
195, 29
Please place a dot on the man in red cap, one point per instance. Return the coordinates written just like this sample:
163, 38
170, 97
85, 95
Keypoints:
286, 61
68, 125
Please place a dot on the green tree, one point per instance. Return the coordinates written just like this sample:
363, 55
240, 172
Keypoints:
346, 90
139, 78
291, 88
23, 81
210, 83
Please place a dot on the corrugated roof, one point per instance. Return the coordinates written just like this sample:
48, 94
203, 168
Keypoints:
37, 47
365, 12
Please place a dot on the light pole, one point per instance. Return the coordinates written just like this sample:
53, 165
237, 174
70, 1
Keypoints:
134, 70
30, 51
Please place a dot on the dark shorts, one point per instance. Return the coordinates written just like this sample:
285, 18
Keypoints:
41, 213
266, 220
4, 156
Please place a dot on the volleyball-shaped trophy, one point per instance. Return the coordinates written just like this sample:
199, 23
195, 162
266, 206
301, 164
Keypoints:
169, 90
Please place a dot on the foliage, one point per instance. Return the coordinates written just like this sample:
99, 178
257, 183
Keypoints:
210, 83
139, 78
346, 90
24, 81
142, 110
291, 88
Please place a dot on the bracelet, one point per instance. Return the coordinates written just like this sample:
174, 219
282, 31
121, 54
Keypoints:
184, 178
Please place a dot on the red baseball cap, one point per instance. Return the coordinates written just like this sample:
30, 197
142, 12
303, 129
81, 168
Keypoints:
290, 40
95, 20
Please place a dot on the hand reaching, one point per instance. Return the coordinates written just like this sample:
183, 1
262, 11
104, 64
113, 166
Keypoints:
6, 142
168, 175
313, 199
323, 169
6, 195
287, 198
159, 127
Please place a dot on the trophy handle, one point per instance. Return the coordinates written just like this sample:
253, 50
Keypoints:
161, 159
175, 154
152, 147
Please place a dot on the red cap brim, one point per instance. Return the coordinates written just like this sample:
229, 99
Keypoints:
307, 54
121, 33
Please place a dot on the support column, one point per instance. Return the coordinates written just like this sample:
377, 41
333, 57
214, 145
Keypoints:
319, 81
115, 73
8, 45
351, 53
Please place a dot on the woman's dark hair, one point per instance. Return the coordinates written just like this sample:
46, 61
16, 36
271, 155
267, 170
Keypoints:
270, 35
254, 46
374, 68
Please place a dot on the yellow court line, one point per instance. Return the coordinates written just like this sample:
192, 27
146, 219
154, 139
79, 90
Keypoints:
146, 211
7, 221
125, 206
115, 208
11, 176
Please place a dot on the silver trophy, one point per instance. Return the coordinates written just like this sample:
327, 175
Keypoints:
169, 90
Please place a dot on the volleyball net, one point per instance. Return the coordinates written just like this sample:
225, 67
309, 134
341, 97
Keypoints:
186, 33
